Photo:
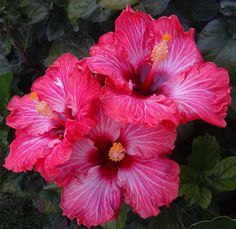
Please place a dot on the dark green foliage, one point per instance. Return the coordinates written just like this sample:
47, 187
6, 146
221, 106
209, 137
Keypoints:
33, 33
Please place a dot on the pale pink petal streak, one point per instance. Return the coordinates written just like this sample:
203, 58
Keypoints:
132, 30
203, 92
52, 87
148, 142
149, 184
93, 200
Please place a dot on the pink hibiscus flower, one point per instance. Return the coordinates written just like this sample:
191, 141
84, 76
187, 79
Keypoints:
48, 120
114, 163
156, 73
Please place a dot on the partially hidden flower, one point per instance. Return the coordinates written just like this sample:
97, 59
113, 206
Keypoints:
118, 162
156, 73
58, 111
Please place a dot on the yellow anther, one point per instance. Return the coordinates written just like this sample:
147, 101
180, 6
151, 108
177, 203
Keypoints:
116, 152
33, 95
160, 50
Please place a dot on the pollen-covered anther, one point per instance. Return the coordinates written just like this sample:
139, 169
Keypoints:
116, 152
160, 50
43, 109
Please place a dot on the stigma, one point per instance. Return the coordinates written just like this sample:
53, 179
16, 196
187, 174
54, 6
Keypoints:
116, 152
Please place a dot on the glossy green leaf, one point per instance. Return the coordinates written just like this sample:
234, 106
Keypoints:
76, 45
4, 65
169, 218
205, 153
224, 174
5, 44
56, 24
217, 43
79, 9
222, 222
36, 12
5, 83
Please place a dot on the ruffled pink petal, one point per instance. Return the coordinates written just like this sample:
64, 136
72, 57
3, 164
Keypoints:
58, 155
26, 150
75, 129
202, 92
149, 111
83, 94
182, 52
148, 142
149, 184
93, 199
84, 156
108, 58
24, 115
106, 127
53, 86
132, 30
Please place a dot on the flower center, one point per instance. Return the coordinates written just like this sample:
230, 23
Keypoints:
41, 106
116, 152
159, 54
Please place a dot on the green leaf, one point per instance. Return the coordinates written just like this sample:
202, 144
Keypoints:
190, 188
205, 153
116, 4
224, 175
76, 45
120, 222
4, 65
221, 222
188, 174
48, 201
155, 7
217, 43
36, 12
55, 27
204, 198
79, 9
99, 14
5, 44
228, 7
169, 218
5, 83
188, 185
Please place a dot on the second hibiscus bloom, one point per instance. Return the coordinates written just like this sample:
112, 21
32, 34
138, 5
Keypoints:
156, 73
